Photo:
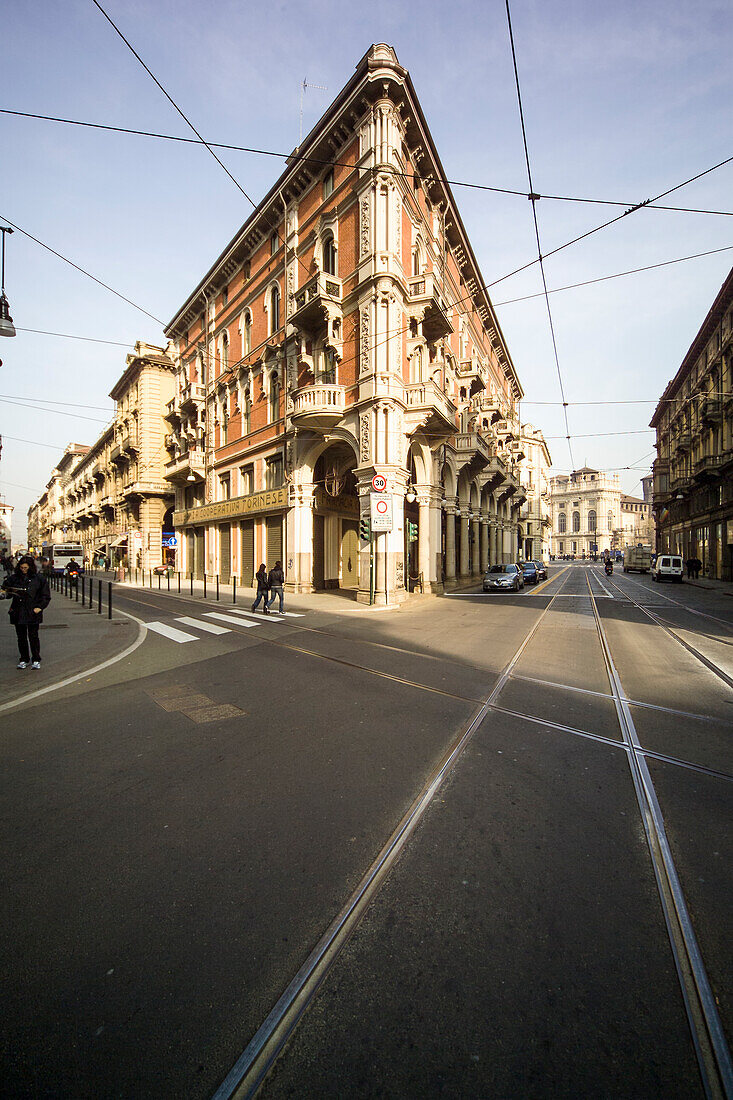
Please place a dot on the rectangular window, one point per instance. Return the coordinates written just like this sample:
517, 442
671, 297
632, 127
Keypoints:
274, 243
274, 472
328, 184
247, 479
225, 487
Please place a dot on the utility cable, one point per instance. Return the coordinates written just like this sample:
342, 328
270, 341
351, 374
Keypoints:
37, 443
68, 336
49, 401
319, 162
83, 271
533, 199
188, 122
618, 275
58, 412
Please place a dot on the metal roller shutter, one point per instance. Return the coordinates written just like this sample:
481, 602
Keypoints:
247, 529
274, 530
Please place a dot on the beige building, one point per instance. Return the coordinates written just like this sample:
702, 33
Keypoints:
693, 471
586, 513
637, 523
534, 534
112, 497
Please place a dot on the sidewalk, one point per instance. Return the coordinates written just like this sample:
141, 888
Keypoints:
725, 588
72, 639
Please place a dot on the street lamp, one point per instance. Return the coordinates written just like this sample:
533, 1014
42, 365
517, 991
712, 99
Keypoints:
410, 495
7, 328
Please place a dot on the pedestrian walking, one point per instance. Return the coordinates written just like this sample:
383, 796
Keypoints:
263, 588
30, 593
697, 566
690, 563
276, 580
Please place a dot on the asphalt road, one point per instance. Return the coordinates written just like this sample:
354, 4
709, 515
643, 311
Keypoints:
183, 827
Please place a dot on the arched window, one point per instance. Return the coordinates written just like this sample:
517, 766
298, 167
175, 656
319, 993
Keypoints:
224, 420
224, 352
274, 396
247, 333
562, 523
610, 521
274, 310
329, 256
576, 521
591, 520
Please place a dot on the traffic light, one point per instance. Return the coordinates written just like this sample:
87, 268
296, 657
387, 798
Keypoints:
365, 528
411, 531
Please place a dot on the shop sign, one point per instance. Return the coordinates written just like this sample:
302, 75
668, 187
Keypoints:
345, 503
271, 500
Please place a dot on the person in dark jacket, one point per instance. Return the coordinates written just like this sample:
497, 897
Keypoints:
276, 580
262, 588
30, 593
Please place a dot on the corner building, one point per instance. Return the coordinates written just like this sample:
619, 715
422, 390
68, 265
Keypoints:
345, 332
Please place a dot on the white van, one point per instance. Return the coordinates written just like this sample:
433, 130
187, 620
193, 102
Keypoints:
668, 567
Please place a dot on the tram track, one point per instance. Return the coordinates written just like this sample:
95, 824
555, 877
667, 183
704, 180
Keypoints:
713, 1054
672, 632
251, 1068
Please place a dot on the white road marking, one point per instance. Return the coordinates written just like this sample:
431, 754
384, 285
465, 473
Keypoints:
171, 632
288, 614
256, 615
228, 619
210, 628
598, 580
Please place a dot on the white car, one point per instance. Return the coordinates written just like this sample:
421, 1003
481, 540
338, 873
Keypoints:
668, 567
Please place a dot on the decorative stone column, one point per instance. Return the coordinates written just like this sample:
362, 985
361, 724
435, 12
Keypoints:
476, 558
429, 500
484, 545
493, 558
299, 538
463, 521
450, 544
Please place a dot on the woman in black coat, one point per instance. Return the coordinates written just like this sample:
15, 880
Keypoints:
30, 594
263, 588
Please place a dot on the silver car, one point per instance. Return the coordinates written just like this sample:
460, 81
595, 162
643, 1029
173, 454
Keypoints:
503, 578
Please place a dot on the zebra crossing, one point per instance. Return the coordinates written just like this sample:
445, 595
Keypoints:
209, 623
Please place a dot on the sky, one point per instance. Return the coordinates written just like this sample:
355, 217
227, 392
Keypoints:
621, 102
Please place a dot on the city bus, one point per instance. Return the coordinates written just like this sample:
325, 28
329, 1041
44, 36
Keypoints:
59, 555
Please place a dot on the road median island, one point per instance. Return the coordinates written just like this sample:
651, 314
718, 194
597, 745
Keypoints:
73, 640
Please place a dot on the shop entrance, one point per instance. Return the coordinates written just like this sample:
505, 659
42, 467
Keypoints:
335, 520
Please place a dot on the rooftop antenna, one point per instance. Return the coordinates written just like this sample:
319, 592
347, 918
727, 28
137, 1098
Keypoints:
303, 87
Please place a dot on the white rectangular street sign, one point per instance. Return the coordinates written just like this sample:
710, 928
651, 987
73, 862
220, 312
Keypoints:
381, 511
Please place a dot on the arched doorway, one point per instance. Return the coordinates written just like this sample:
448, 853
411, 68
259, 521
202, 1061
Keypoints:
335, 520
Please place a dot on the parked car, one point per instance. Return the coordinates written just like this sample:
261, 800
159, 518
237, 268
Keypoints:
668, 567
529, 572
163, 570
541, 569
503, 578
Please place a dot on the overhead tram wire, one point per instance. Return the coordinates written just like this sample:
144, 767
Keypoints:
321, 163
533, 200
69, 336
617, 275
49, 401
83, 271
58, 412
256, 207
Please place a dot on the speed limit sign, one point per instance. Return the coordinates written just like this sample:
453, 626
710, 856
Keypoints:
379, 483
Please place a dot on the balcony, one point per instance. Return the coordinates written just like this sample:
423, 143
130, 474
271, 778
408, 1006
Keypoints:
117, 455
316, 302
495, 473
472, 450
170, 442
172, 414
517, 451
193, 396
129, 445
428, 307
473, 371
507, 428
493, 407
684, 442
708, 466
679, 482
711, 412
429, 409
318, 407
145, 488
190, 462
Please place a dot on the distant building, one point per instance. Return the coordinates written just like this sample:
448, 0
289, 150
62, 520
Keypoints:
112, 497
535, 519
586, 513
637, 522
693, 471
6, 523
